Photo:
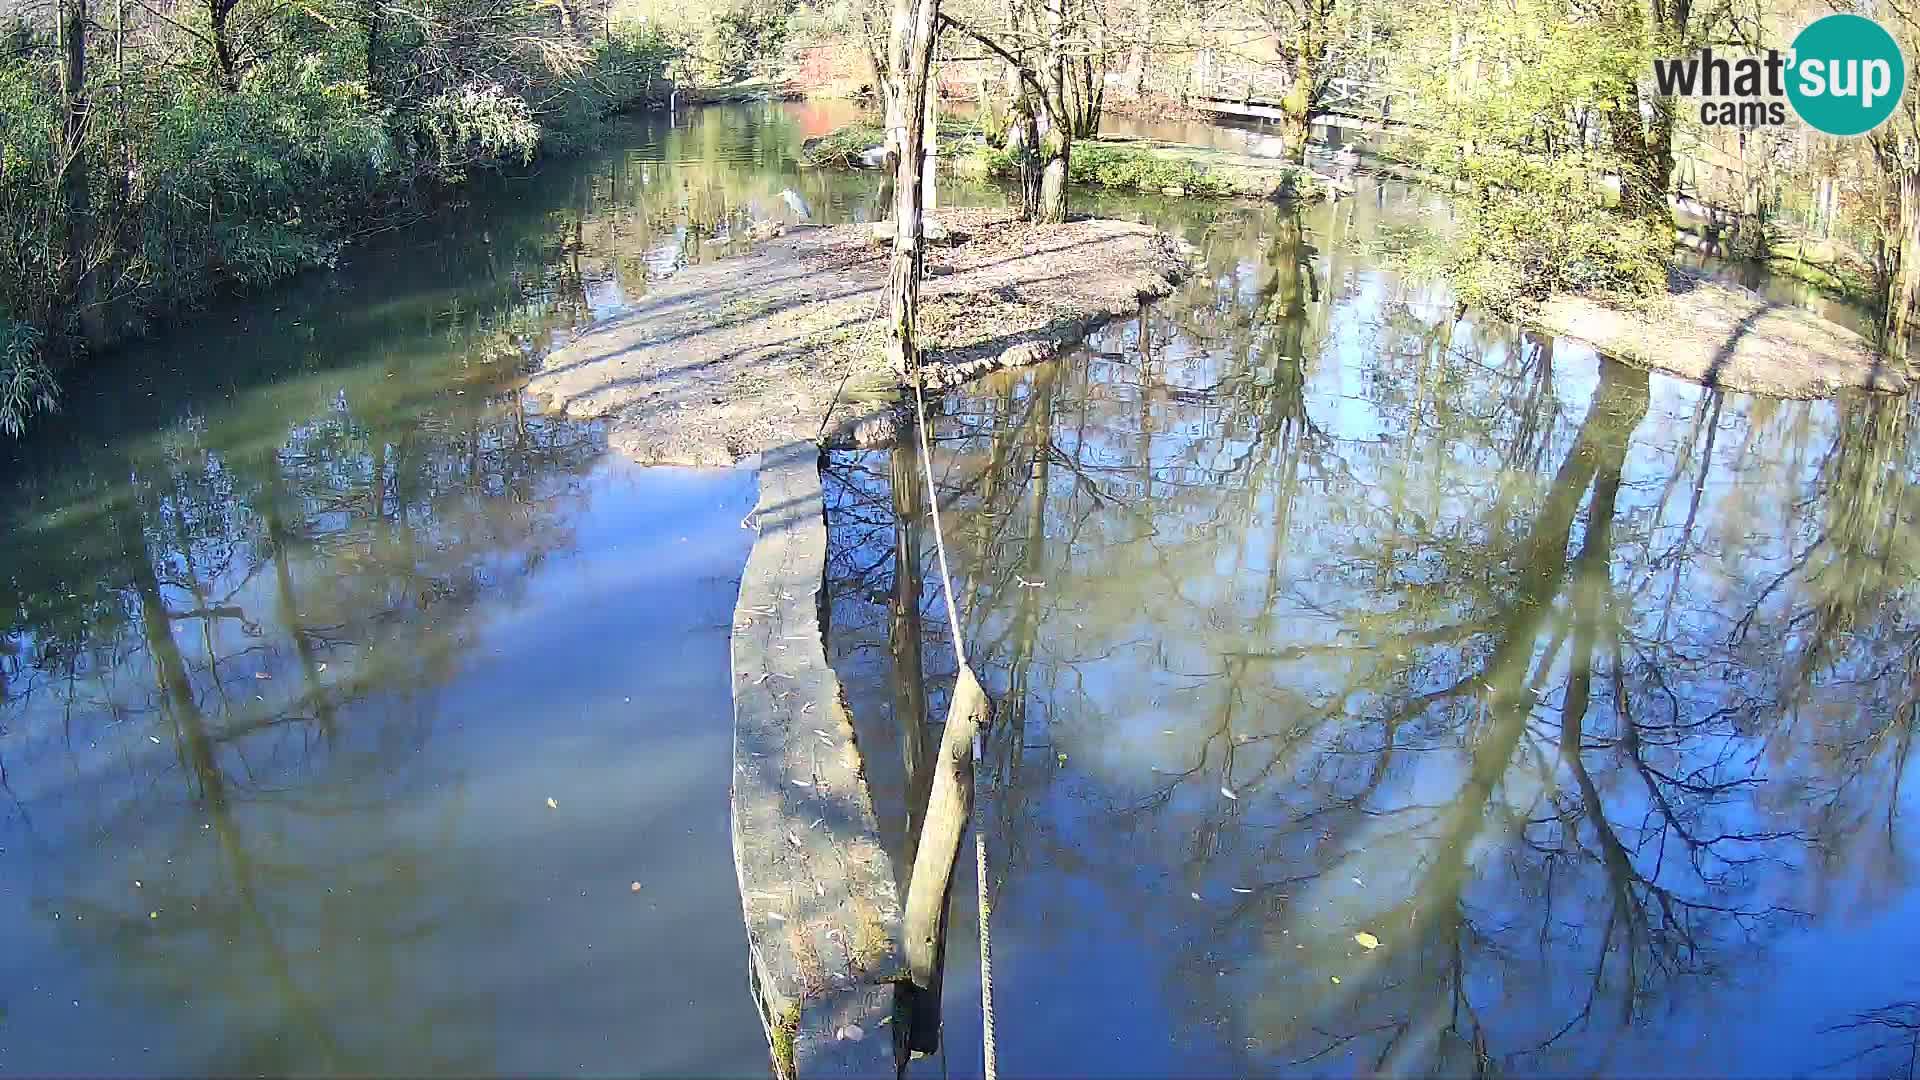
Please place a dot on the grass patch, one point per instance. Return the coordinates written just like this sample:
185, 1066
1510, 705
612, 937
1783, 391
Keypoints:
1125, 166
843, 147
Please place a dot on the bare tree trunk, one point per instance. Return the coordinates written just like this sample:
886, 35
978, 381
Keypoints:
910, 57
875, 44
929, 173
1137, 62
1023, 129
226, 65
1093, 82
1645, 150
1903, 288
80, 284
370, 18
1057, 148
1056, 143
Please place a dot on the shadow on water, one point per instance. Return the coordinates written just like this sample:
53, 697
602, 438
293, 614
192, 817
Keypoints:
1388, 689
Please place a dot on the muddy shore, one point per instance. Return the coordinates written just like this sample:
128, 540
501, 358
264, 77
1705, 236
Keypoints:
1730, 337
786, 343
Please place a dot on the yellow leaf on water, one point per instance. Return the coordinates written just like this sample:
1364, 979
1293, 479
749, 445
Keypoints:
1335, 978
1366, 940
551, 805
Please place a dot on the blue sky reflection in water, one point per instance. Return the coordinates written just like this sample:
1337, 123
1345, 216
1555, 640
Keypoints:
1314, 537
308, 617
1326, 617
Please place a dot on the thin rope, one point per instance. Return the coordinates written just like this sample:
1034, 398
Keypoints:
988, 1054
933, 508
986, 934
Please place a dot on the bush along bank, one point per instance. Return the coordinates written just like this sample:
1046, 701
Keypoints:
149, 163
1121, 164
1131, 165
853, 145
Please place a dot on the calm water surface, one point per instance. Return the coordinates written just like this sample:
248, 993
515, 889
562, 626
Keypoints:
307, 618
1586, 695
1386, 688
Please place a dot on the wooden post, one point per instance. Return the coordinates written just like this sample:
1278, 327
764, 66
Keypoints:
948, 809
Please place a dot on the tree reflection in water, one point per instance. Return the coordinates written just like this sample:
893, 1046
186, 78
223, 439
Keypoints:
251, 596
1320, 608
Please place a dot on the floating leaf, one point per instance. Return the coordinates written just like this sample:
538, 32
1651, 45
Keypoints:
551, 805
1335, 978
1228, 792
1367, 941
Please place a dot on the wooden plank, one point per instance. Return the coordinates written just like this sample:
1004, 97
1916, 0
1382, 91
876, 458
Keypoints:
816, 887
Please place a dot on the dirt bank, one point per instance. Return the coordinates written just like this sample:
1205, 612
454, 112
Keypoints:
733, 358
1727, 336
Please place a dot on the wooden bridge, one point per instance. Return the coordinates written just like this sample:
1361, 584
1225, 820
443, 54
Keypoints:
1225, 87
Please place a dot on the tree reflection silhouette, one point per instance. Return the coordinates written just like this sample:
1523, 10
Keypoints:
1336, 609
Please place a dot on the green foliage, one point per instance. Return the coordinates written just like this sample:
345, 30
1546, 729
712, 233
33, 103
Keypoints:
249, 186
26, 386
1523, 113
842, 146
1133, 169
1542, 77
740, 39
1138, 168
1533, 228
28, 243
476, 123
200, 176
625, 71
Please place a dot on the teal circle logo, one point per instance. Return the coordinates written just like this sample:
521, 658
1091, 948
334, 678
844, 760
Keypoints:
1846, 75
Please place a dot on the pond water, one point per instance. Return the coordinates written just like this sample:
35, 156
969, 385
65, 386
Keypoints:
344, 700
1387, 689
307, 618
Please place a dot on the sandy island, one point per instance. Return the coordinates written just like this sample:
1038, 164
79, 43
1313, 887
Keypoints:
1727, 336
730, 359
